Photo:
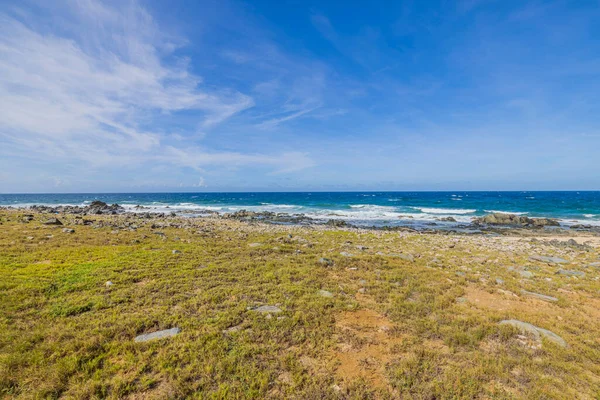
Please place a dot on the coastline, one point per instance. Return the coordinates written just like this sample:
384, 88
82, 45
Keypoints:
491, 223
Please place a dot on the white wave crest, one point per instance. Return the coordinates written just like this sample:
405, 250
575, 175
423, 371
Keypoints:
450, 211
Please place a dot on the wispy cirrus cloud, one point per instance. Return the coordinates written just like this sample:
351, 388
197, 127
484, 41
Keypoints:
97, 90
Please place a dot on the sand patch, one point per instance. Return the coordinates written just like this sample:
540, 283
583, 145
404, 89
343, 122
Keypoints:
364, 346
504, 301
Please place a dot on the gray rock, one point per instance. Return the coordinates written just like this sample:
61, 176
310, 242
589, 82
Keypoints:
53, 221
513, 219
176, 252
460, 273
407, 257
346, 254
547, 259
325, 293
526, 274
499, 281
267, 309
461, 300
108, 284
593, 265
326, 261
157, 335
448, 219
362, 248
569, 272
68, 230
535, 331
255, 244
538, 296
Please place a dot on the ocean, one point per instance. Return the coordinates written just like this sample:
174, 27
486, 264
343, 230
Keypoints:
360, 208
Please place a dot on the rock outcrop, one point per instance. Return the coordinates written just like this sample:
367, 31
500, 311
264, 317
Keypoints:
513, 219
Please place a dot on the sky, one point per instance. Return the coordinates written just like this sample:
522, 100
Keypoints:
194, 95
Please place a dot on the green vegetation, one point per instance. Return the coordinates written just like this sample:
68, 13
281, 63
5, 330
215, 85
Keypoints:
426, 329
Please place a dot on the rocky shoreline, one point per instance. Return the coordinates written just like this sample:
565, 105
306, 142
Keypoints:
497, 223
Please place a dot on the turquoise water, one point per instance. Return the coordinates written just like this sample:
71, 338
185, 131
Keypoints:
373, 208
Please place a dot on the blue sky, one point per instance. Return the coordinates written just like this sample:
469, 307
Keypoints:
298, 95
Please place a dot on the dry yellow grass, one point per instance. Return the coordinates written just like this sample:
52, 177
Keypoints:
393, 328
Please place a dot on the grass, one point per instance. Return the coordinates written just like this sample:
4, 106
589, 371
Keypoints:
65, 334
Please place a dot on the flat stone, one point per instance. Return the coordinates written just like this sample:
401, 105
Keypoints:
255, 244
68, 230
569, 272
346, 254
267, 309
593, 265
157, 335
461, 300
535, 331
362, 248
325, 293
499, 281
553, 260
526, 274
176, 252
326, 261
407, 257
538, 296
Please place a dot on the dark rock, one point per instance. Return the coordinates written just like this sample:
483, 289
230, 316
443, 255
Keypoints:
337, 223
448, 219
326, 261
513, 219
53, 221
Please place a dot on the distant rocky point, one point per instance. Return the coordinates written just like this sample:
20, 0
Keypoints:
513, 219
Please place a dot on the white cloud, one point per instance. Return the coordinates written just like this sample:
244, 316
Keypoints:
89, 91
